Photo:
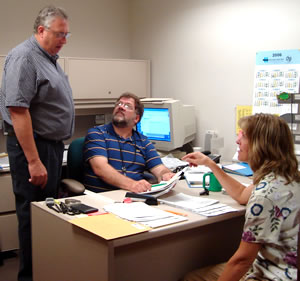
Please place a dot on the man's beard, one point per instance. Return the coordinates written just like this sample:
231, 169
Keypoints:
120, 123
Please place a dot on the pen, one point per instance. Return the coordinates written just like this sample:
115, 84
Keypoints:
176, 213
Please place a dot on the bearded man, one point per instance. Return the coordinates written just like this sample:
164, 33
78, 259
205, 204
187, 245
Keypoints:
116, 156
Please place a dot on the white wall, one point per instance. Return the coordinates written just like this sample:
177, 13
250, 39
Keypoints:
203, 52
100, 28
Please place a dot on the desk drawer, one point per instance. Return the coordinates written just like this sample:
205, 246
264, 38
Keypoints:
7, 198
8, 232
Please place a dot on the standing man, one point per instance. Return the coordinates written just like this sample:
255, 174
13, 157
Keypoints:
38, 112
116, 156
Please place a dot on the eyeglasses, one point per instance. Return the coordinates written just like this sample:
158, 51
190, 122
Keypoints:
60, 35
127, 106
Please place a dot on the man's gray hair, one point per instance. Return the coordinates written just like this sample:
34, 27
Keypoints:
47, 15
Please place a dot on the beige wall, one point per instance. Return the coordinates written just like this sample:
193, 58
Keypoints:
203, 52
99, 27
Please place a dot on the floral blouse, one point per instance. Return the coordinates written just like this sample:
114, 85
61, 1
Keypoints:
272, 219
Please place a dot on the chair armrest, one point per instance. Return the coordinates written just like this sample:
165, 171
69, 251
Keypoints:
73, 186
150, 177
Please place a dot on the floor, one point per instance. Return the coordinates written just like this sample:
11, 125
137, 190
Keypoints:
9, 267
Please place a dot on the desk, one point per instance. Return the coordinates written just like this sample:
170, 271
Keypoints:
65, 252
8, 219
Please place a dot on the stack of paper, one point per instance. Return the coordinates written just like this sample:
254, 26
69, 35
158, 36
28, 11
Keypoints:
242, 169
194, 179
143, 213
202, 206
194, 175
4, 163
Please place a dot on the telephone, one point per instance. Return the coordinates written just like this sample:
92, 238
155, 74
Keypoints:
214, 157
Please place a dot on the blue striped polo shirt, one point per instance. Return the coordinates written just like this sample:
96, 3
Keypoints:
137, 152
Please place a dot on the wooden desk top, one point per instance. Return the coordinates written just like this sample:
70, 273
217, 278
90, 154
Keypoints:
194, 220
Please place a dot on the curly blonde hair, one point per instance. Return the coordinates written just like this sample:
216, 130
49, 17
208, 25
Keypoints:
271, 147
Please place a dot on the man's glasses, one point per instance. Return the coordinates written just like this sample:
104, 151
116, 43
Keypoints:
127, 106
60, 35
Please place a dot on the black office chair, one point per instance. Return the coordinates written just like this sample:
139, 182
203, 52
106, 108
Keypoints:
72, 184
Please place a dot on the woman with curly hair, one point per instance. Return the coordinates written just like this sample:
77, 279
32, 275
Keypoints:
268, 248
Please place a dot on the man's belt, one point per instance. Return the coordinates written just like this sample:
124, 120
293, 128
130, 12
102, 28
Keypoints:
9, 130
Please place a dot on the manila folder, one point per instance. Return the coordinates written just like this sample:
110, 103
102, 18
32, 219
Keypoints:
109, 226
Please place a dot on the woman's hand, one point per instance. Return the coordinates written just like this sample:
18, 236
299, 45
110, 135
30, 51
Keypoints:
196, 158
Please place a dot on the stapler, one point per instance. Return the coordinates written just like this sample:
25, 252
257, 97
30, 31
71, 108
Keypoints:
148, 199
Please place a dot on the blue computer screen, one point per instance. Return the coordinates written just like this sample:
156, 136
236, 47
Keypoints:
155, 124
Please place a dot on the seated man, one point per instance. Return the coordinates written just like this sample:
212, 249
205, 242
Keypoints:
116, 156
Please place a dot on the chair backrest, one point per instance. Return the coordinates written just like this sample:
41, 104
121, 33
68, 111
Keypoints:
75, 160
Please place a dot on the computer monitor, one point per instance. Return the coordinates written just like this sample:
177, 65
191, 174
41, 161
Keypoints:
167, 123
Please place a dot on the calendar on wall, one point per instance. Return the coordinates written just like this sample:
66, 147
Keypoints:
276, 72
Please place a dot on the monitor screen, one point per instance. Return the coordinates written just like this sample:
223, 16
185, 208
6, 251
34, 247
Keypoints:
168, 124
155, 124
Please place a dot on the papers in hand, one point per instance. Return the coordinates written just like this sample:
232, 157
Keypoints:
202, 206
164, 186
144, 214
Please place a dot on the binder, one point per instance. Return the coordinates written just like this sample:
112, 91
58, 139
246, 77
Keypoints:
241, 169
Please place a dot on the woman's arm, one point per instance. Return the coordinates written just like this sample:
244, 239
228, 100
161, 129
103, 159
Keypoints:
240, 262
235, 189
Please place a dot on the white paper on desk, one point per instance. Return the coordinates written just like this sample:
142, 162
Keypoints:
136, 211
194, 175
99, 196
4, 163
165, 221
215, 210
194, 178
202, 206
144, 214
188, 202
235, 167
